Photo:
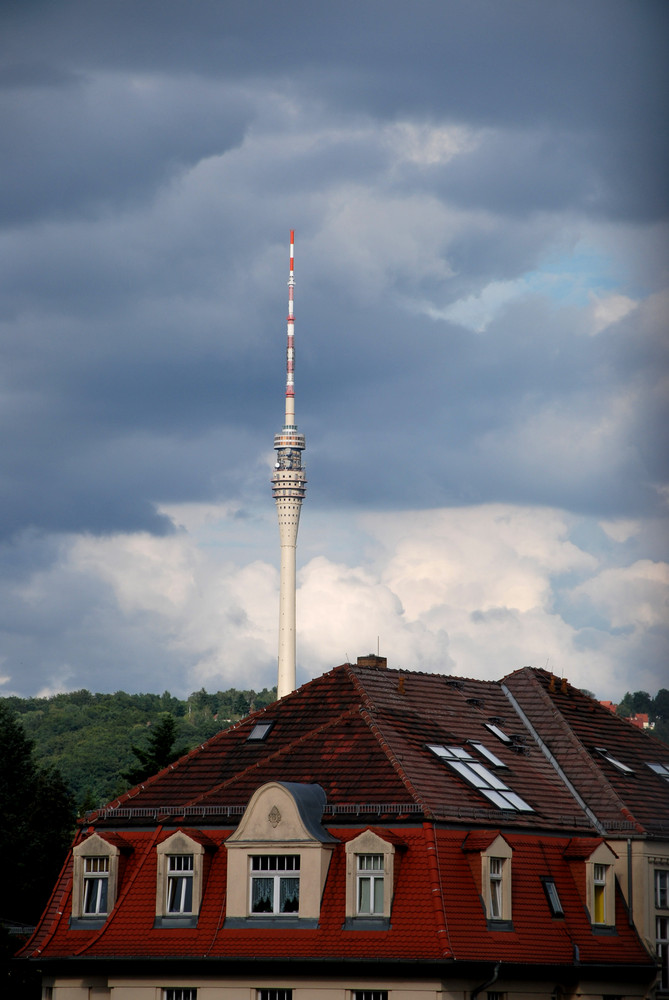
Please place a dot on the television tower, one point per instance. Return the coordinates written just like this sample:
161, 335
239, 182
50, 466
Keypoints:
288, 488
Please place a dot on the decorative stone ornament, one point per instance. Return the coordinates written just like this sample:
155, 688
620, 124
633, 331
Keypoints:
274, 816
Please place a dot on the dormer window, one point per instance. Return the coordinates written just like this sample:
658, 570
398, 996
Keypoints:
370, 863
278, 858
180, 875
94, 881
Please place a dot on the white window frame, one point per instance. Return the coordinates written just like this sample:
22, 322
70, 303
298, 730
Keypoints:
662, 949
274, 868
179, 993
96, 885
366, 994
171, 880
274, 993
661, 889
370, 883
480, 778
369, 844
94, 852
179, 883
496, 881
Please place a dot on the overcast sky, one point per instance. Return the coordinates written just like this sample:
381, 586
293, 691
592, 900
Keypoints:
478, 190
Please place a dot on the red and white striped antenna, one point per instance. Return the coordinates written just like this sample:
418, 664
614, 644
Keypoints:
288, 486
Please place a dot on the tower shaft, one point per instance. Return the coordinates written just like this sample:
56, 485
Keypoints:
288, 488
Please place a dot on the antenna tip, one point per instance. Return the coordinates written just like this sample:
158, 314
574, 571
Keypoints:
292, 236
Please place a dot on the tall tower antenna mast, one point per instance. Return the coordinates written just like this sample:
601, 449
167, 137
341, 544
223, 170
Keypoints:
288, 488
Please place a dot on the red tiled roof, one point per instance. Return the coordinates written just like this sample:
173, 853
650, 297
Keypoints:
452, 920
572, 725
361, 732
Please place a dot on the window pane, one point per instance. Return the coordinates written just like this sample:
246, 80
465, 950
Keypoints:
661, 890
289, 895
599, 914
180, 894
95, 895
378, 895
364, 895
262, 895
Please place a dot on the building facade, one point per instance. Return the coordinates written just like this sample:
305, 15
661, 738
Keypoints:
378, 835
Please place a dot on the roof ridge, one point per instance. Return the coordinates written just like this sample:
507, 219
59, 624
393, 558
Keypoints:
385, 745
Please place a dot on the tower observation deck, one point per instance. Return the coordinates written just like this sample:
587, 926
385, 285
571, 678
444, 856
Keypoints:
288, 488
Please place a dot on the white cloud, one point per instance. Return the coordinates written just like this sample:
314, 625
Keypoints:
472, 591
608, 309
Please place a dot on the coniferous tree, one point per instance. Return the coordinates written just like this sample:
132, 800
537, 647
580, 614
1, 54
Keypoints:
158, 754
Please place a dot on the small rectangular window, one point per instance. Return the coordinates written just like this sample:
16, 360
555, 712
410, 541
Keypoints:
660, 769
618, 764
370, 994
496, 873
274, 994
553, 897
275, 883
96, 883
180, 993
180, 883
662, 948
494, 995
599, 894
488, 754
260, 732
370, 884
661, 889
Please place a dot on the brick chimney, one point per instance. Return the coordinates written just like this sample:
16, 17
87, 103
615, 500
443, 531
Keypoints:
372, 660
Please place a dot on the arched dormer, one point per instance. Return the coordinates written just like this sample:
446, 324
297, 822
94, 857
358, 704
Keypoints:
278, 858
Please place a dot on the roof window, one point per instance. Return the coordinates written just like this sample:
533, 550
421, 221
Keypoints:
496, 731
553, 897
623, 768
260, 732
660, 769
487, 783
488, 754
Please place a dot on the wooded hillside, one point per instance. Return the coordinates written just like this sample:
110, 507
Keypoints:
89, 737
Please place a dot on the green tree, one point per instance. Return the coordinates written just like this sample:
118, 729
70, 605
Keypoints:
158, 754
38, 818
661, 705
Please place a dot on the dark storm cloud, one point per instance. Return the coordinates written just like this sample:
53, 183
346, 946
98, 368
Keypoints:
144, 288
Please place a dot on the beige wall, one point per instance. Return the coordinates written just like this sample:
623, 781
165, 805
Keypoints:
239, 989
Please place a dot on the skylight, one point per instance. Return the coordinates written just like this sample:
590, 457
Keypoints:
660, 769
553, 897
496, 731
623, 768
480, 777
260, 732
488, 754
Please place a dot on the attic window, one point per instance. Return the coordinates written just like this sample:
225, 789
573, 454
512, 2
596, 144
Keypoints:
623, 768
660, 769
260, 732
487, 783
553, 897
496, 731
488, 754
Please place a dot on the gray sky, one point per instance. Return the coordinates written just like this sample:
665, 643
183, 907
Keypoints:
478, 189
